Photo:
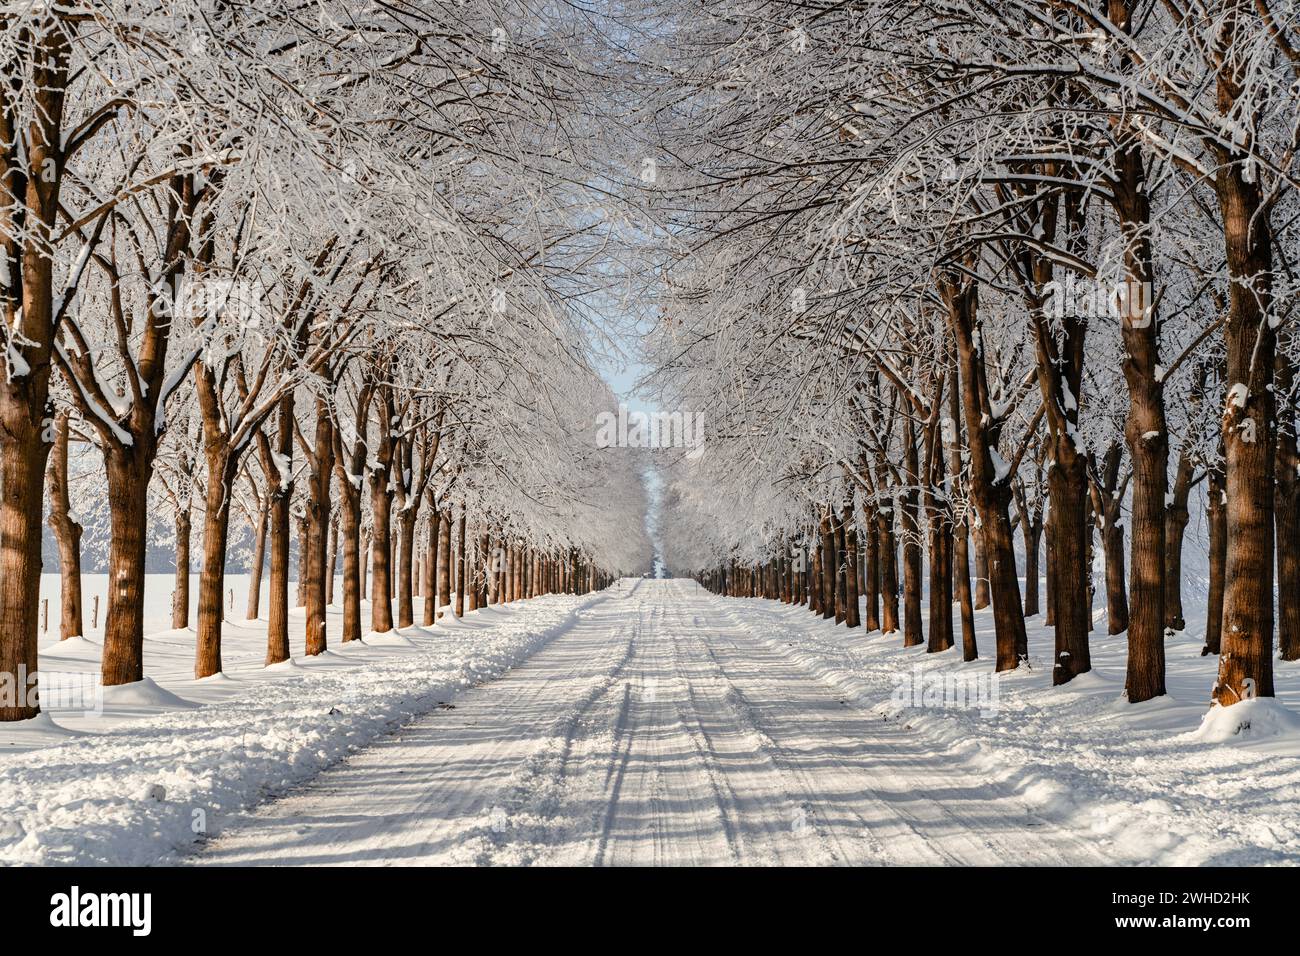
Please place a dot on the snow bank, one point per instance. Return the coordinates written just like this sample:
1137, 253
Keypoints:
1249, 719
147, 791
143, 693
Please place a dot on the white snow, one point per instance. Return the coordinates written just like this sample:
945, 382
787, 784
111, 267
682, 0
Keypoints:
17, 366
1001, 467
1251, 719
1141, 782
284, 469
653, 723
671, 726
82, 788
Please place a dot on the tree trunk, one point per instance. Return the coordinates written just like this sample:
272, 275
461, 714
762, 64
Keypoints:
815, 573
852, 616
1049, 618
783, 573
1146, 434
871, 573
67, 533
22, 464
444, 562
888, 556
1108, 495
990, 489
981, 572
181, 595
353, 558
276, 466
1090, 561
1067, 482
913, 634
304, 552
1176, 519
394, 541
1248, 427
1059, 356
216, 525
24, 443
841, 571
366, 535
1287, 506
1008, 619
431, 568
381, 550
961, 531
471, 576
1116, 589
827, 566
332, 562
1146, 659
965, 597
1216, 508
1031, 533
259, 559
406, 520
939, 530
128, 475
460, 564
496, 576
319, 506
940, 581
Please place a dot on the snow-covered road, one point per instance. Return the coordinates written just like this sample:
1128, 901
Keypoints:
664, 725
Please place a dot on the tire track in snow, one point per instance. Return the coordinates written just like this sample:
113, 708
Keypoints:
527, 819
687, 776
422, 794
967, 838
665, 726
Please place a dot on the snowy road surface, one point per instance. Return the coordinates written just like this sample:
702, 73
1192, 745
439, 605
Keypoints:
662, 726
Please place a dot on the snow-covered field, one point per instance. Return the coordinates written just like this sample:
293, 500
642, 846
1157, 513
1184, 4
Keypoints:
651, 722
169, 761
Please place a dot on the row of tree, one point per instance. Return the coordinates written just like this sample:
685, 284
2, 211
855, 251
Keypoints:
942, 271
293, 263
